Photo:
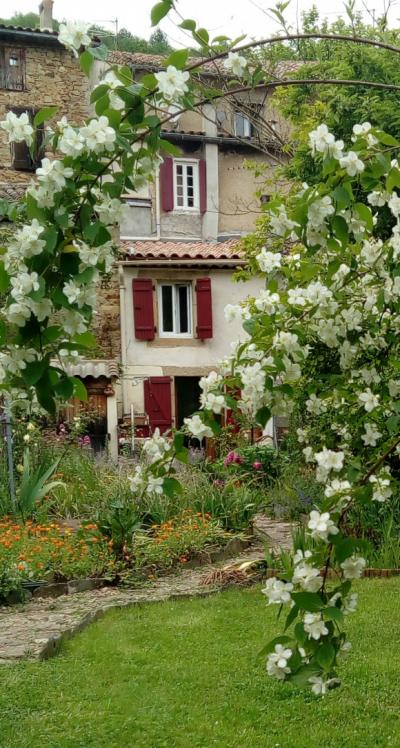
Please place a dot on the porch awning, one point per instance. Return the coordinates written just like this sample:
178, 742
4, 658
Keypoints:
92, 368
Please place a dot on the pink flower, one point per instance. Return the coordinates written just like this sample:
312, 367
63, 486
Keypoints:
230, 457
257, 465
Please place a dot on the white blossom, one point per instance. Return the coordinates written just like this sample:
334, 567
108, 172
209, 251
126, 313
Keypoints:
197, 428
98, 135
352, 164
368, 400
314, 626
278, 592
353, 567
371, 436
156, 447
321, 525
172, 83
277, 662
236, 63
74, 35
268, 261
53, 174
18, 128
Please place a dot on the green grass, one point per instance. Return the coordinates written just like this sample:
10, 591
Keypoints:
184, 675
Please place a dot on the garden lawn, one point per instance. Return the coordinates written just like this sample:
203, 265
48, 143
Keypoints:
185, 674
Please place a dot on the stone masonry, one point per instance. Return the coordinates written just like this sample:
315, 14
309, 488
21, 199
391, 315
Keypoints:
53, 78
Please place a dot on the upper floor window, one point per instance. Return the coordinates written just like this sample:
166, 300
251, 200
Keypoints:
175, 309
186, 185
243, 128
12, 68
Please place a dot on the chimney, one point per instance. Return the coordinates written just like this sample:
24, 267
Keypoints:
46, 15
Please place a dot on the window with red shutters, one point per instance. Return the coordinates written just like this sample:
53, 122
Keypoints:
203, 185
167, 184
143, 311
204, 308
157, 402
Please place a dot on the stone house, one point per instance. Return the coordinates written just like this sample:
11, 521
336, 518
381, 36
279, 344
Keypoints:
179, 248
160, 321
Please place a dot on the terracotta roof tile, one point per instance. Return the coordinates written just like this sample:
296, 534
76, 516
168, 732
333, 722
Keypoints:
145, 61
169, 250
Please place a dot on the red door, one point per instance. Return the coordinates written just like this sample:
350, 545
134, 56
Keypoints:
157, 402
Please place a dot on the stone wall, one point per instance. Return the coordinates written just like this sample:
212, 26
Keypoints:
53, 78
106, 321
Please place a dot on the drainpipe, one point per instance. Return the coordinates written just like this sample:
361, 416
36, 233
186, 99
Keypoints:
157, 204
123, 335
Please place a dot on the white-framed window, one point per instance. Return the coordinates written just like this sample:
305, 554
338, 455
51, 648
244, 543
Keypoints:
175, 310
242, 126
186, 185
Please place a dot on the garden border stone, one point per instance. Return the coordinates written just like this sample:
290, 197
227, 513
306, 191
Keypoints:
36, 630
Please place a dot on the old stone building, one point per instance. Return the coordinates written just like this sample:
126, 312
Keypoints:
35, 71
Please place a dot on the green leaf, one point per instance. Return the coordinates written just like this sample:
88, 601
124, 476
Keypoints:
325, 655
309, 601
393, 179
65, 387
171, 487
178, 59
80, 391
365, 215
340, 229
178, 441
342, 196
344, 548
331, 613
99, 53
34, 371
202, 36
98, 92
44, 114
4, 278
159, 11
188, 24
85, 339
301, 678
168, 147
393, 424
272, 644
86, 61
300, 634
263, 416
291, 616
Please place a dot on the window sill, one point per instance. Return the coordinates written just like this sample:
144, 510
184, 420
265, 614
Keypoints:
174, 343
189, 211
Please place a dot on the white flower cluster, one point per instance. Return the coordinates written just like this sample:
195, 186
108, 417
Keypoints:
277, 592
236, 64
74, 35
197, 427
18, 128
156, 447
277, 662
172, 83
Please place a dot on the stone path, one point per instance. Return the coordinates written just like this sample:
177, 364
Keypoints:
35, 631
275, 533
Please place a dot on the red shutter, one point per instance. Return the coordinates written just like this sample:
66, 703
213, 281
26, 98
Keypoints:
204, 308
167, 184
157, 402
143, 312
203, 185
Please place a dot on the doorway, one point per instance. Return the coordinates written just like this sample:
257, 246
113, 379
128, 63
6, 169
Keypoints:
187, 398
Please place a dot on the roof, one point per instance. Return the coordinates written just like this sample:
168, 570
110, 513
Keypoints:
144, 61
47, 32
173, 250
85, 367
12, 192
